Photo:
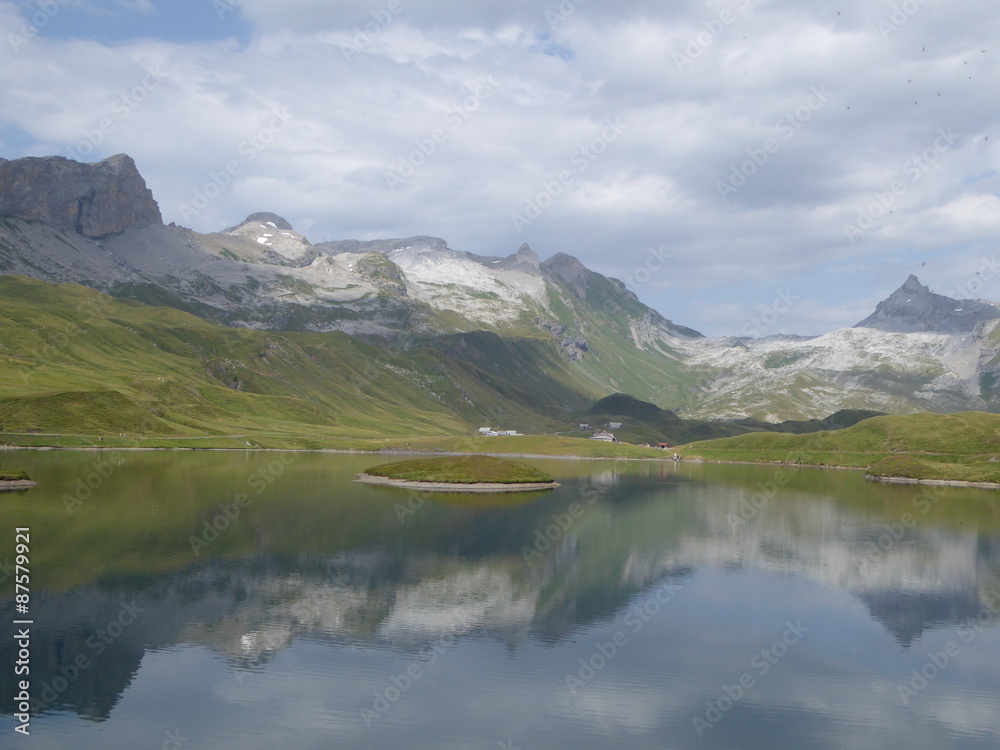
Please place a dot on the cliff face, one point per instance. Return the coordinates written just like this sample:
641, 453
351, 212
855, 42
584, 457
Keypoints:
91, 199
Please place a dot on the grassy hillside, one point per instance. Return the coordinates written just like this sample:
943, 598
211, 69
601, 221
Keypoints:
79, 368
606, 314
964, 446
644, 422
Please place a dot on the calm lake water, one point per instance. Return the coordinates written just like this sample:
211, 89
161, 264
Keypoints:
261, 600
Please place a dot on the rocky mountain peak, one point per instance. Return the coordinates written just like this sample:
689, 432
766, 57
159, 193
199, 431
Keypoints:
280, 244
266, 217
912, 285
914, 308
570, 270
94, 200
524, 260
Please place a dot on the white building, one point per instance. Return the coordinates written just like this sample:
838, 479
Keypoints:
606, 437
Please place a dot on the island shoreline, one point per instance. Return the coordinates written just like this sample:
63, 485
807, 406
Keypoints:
16, 484
408, 484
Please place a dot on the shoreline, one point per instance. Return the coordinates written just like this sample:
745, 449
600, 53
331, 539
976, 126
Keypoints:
771, 463
938, 482
491, 487
868, 477
16, 484
348, 451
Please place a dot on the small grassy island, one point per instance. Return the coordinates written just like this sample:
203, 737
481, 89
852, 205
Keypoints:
15, 480
460, 474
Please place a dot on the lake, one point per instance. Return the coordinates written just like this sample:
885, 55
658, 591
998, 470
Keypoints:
259, 600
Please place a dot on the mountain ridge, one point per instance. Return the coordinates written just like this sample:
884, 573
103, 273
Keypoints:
405, 294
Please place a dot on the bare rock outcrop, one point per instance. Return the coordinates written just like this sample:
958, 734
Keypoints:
90, 199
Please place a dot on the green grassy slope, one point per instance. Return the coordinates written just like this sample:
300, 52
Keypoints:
613, 362
645, 422
75, 362
963, 446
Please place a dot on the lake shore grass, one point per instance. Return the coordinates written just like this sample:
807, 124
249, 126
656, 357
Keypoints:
461, 470
521, 445
959, 448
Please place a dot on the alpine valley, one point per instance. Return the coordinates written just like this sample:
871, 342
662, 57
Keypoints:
114, 323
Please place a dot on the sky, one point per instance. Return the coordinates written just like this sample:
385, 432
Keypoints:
771, 166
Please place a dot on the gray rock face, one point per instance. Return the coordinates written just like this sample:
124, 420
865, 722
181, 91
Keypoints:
266, 216
524, 260
914, 308
90, 199
570, 270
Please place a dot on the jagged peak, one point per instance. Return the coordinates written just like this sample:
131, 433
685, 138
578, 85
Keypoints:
915, 308
912, 285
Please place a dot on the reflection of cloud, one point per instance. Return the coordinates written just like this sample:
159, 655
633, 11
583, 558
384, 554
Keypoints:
612, 708
468, 600
966, 712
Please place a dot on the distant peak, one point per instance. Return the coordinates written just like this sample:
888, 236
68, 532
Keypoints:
912, 285
915, 308
265, 217
563, 260
525, 249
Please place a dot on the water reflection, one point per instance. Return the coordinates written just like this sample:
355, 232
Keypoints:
317, 562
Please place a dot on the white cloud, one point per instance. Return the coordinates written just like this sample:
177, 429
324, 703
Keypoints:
361, 104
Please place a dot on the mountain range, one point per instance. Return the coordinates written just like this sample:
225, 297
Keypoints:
540, 341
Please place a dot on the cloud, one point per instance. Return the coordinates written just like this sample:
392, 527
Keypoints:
709, 94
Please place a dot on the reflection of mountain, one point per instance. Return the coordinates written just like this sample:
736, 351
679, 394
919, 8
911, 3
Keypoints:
908, 614
453, 573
